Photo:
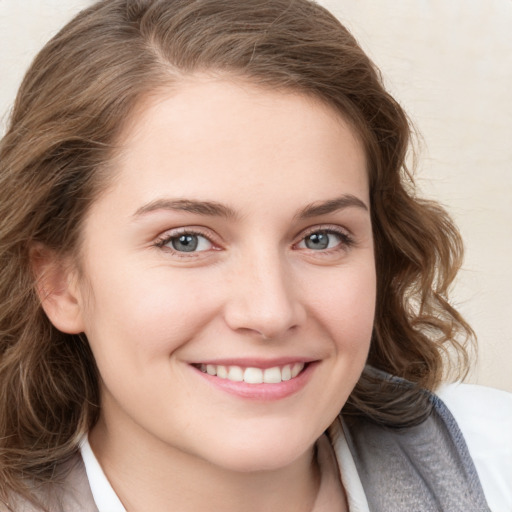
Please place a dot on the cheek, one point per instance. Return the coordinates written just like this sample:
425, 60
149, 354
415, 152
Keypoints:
143, 314
347, 308
344, 310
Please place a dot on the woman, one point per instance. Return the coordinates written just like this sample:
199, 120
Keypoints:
211, 248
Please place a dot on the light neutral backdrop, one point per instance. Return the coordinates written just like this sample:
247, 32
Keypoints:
450, 66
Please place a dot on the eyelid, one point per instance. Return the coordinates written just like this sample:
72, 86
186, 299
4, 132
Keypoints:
335, 228
165, 237
347, 239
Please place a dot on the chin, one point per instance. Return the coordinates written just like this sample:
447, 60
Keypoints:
261, 454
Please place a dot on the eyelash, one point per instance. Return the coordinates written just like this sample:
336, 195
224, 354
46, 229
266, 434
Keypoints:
346, 240
168, 237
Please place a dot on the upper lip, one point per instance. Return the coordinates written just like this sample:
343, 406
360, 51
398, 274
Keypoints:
256, 362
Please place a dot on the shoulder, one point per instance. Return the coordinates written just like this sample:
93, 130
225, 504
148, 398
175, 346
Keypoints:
484, 416
71, 493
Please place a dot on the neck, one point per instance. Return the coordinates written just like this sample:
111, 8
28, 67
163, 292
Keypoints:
148, 475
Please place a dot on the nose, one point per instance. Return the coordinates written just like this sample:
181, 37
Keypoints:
264, 298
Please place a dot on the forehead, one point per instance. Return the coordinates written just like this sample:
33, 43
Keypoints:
209, 132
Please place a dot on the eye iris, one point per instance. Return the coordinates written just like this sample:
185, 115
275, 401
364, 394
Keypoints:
185, 243
317, 241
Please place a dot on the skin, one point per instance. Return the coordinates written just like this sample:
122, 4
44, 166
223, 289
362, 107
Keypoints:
255, 290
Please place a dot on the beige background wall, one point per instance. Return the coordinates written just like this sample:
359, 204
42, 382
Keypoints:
450, 65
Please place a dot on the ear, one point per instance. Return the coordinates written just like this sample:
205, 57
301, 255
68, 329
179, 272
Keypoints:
57, 286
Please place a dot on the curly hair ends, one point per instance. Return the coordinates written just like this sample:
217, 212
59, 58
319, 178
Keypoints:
418, 335
75, 101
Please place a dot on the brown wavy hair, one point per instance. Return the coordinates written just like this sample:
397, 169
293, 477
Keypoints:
72, 106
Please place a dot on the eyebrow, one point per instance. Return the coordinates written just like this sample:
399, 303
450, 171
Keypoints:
215, 209
207, 208
330, 206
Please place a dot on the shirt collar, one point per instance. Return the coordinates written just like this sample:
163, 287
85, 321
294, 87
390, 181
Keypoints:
104, 496
107, 500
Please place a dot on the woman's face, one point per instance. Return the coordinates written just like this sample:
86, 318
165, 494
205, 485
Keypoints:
229, 280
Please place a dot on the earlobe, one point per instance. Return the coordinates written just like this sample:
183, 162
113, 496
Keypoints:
57, 287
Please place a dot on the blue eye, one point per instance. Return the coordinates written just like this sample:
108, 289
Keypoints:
187, 242
322, 240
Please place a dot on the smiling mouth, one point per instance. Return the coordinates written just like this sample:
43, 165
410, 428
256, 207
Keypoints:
253, 375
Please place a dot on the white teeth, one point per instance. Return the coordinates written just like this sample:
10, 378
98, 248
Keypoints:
236, 373
297, 368
272, 375
253, 375
222, 372
286, 372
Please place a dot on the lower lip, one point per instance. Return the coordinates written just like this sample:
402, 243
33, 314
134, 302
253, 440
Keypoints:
262, 392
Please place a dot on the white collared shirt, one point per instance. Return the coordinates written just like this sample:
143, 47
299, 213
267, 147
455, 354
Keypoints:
105, 498
484, 416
